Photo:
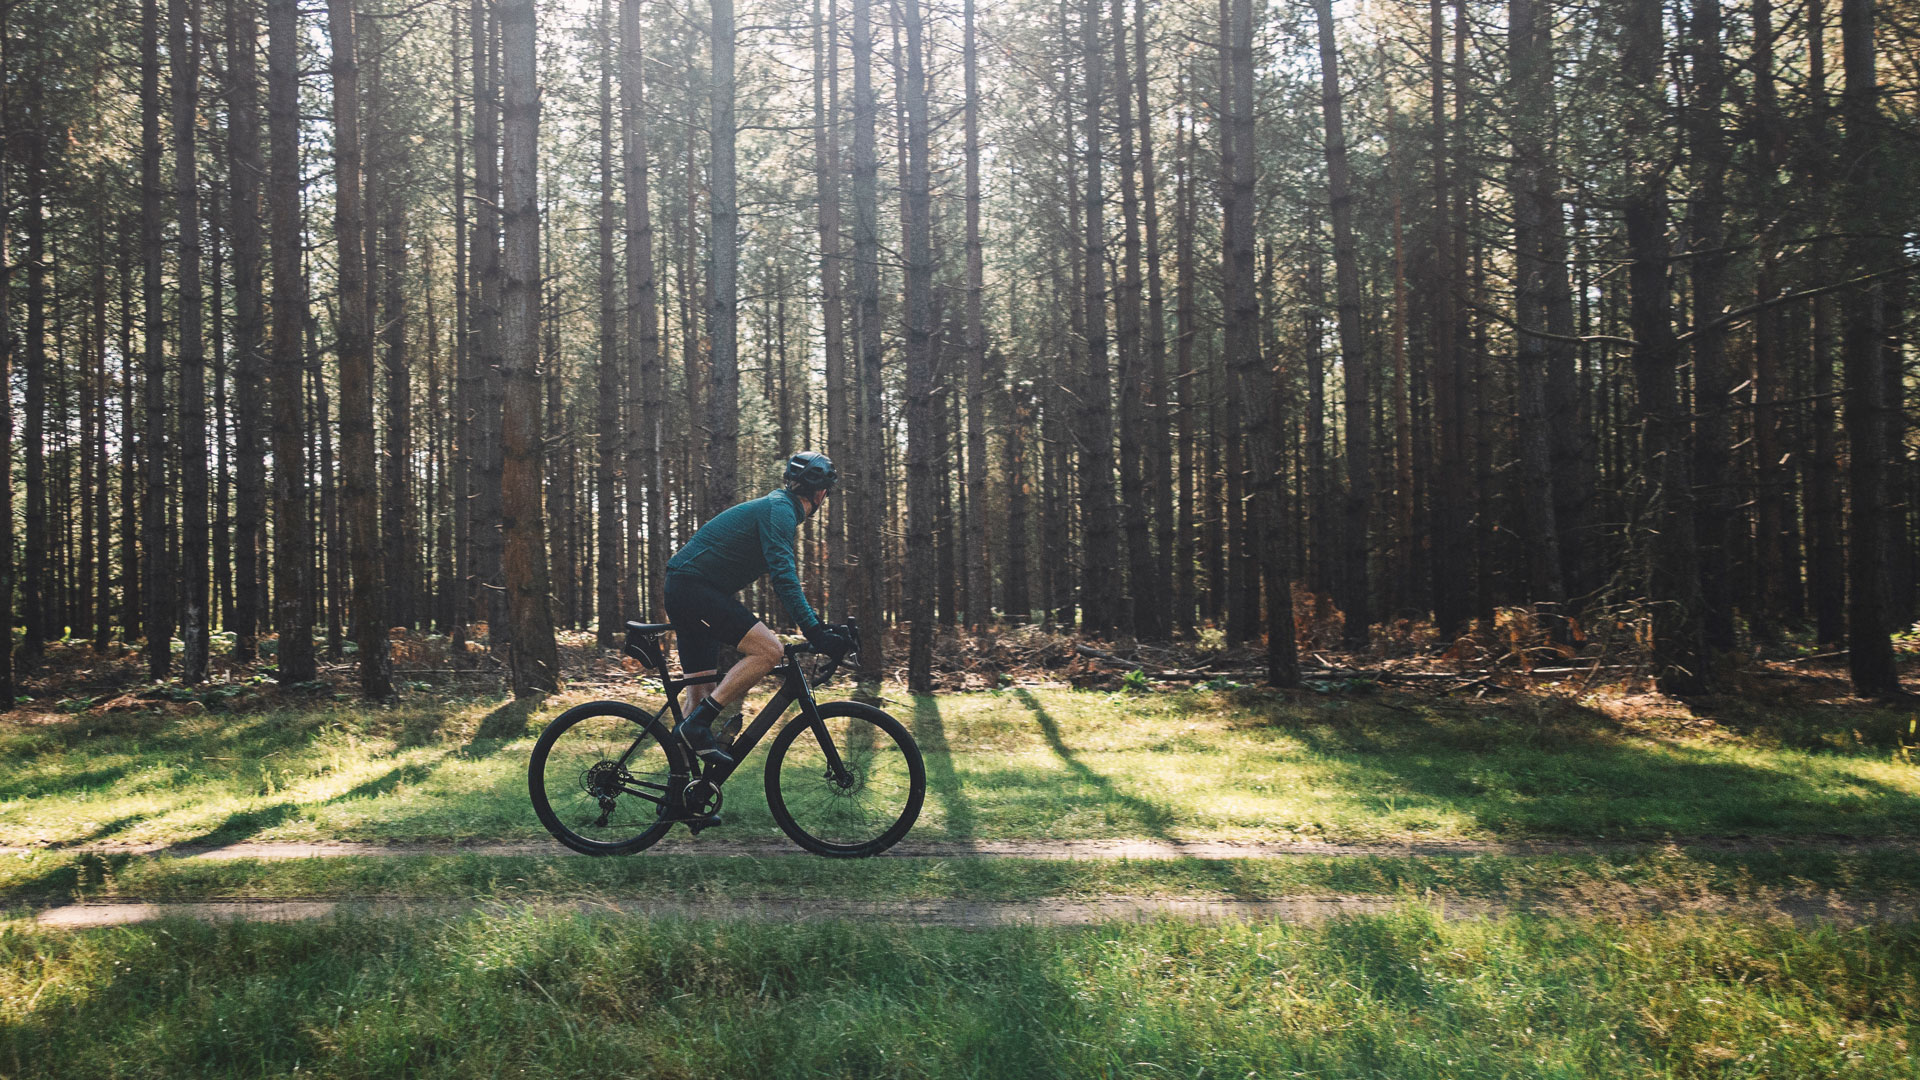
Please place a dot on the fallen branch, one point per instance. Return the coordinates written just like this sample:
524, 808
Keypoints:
1102, 654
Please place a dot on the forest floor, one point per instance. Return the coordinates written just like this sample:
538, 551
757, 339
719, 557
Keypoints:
1526, 873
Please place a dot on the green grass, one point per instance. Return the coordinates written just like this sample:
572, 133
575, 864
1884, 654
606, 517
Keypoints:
46, 878
1011, 764
1404, 996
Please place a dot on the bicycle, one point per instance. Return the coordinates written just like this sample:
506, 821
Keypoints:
843, 779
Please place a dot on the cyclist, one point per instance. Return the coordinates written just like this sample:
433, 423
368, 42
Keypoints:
727, 554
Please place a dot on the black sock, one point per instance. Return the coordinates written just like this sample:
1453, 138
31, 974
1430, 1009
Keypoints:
703, 714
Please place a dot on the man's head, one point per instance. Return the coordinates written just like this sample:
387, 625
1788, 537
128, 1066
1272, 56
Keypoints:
810, 476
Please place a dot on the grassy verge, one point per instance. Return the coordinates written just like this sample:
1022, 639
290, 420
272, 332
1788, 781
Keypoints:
1011, 764
1404, 995
51, 877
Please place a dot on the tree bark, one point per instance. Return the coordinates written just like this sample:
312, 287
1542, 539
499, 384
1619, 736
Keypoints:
293, 537
607, 447
867, 487
1102, 598
1252, 381
723, 292
1872, 245
183, 48
1530, 78
978, 533
8, 686
159, 583
647, 450
1353, 361
1139, 614
489, 385
245, 168
826, 163
1714, 502
357, 468
1453, 550
1673, 588
922, 493
1156, 593
536, 659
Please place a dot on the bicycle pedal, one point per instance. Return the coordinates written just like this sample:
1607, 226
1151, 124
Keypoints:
705, 821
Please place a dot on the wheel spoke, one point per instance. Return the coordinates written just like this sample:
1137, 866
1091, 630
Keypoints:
861, 809
600, 780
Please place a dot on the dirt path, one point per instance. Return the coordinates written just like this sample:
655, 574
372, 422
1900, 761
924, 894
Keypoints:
681, 844
971, 914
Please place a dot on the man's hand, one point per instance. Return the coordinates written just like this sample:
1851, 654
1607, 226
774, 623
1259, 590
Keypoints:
830, 640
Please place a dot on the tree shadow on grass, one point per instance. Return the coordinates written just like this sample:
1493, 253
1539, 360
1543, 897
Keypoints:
1155, 817
1573, 772
930, 731
507, 722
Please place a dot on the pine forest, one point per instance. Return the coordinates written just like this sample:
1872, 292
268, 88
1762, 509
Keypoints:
328, 325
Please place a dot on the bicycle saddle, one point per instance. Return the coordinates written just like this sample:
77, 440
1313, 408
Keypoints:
649, 628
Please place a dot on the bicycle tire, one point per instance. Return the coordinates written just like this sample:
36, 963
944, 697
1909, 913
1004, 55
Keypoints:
853, 821
586, 754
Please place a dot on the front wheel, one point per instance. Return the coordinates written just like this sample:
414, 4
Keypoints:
605, 777
849, 786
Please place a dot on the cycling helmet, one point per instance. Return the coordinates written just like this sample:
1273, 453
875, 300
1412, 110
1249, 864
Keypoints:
811, 471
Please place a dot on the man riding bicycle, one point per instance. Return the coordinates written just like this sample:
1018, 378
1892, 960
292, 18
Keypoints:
727, 554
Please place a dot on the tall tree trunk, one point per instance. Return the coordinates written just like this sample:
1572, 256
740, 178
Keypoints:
1156, 474
536, 659
1322, 549
1674, 579
292, 533
1777, 569
356, 365
1019, 474
1102, 597
34, 582
1353, 361
245, 168
459, 586
488, 527
400, 512
723, 295
1451, 606
921, 434
1714, 504
1251, 380
1826, 558
1185, 314
607, 407
97, 617
132, 511
183, 47
1870, 247
867, 485
647, 451
1140, 616
826, 164
8, 686
977, 532
158, 587
1530, 58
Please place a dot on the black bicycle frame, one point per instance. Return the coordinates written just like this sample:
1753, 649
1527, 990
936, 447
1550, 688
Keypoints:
793, 687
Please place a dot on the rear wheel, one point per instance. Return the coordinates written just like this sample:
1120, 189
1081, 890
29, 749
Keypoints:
603, 778
861, 808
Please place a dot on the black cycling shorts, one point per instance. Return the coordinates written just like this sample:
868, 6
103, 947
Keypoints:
704, 619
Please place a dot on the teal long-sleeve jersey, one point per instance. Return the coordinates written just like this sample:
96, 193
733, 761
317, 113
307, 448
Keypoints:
731, 551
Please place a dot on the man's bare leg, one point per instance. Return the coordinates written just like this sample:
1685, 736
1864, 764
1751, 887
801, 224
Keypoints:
761, 652
698, 692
